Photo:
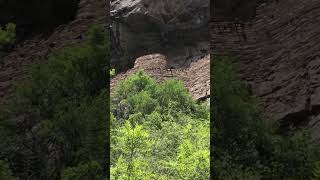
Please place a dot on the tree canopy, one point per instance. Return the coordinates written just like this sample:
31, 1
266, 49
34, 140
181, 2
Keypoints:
158, 131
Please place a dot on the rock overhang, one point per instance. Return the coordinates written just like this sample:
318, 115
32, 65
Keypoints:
143, 26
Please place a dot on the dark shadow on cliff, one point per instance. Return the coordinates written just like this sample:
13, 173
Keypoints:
37, 16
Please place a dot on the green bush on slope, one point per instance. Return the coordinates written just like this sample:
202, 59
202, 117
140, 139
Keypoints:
56, 120
8, 34
158, 131
246, 146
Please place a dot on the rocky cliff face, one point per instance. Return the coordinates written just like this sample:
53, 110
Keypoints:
37, 15
279, 56
14, 66
196, 77
229, 10
175, 28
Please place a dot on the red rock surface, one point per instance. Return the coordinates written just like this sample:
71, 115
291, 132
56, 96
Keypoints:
279, 56
196, 77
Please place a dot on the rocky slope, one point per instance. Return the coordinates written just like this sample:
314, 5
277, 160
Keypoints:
196, 77
279, 56
14, 66
175, 35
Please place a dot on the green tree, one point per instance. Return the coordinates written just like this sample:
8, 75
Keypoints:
316, 171
247, 146
91, 170
5, 172
176, 141
133, 142
56, 121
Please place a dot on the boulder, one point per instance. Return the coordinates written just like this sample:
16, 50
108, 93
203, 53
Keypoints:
176, 28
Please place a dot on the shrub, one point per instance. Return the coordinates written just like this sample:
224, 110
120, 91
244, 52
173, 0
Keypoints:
8, 34
91, 170
112, 72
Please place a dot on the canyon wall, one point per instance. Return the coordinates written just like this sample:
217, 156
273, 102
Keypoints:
178, 29
278, 53
173, 32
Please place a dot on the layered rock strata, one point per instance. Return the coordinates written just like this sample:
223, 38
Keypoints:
278, 53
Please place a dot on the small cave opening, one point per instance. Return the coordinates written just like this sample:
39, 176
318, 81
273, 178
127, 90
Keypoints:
37, 16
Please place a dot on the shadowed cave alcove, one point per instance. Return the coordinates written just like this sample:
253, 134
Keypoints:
229, 10
37, 16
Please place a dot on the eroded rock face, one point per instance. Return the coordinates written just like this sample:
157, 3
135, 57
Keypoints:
279, 57
153, 61
176, 28
175, 14
196, 77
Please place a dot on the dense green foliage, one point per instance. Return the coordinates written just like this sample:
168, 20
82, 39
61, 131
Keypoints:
5, 172
8, 34
158, 131
55, 125
246, 147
